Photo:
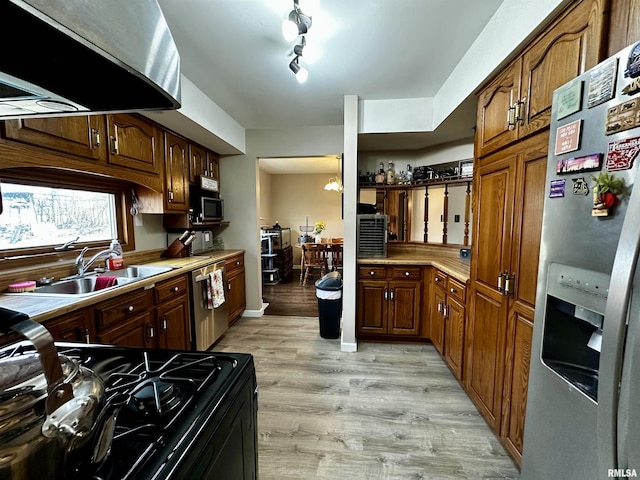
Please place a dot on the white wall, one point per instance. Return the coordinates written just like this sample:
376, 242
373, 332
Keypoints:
264, 201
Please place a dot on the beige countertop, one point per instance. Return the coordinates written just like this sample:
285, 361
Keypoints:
41, 307
445, 261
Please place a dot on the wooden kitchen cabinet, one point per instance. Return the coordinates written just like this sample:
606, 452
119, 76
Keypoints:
517, 103
76, 326
448, 318
389, 301
134, 143
176, 174
84, 136
236, 291
172, 313
202, 162
128, 320
509, 195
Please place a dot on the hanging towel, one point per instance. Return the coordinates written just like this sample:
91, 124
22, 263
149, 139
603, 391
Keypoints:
217, 288
104, 281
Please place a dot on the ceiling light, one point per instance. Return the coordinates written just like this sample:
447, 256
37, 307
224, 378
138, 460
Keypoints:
335, 183
301, 73
298, 23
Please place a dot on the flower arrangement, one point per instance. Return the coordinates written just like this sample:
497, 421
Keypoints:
319, 227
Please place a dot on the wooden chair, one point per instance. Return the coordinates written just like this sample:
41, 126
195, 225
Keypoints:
336, 256
339, 240
314, 256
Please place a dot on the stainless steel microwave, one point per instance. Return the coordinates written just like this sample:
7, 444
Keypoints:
211, 209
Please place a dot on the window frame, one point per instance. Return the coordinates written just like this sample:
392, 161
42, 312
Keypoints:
47, 177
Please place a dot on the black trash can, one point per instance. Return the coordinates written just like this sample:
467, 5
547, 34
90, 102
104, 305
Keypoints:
329, 293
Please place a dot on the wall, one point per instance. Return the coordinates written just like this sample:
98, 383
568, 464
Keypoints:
264, 201
149, 232
296, 197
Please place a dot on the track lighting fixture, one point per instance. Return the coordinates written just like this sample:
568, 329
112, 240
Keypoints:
298, 23
301, 73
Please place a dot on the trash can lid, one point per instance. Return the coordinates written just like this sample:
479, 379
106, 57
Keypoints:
331, 281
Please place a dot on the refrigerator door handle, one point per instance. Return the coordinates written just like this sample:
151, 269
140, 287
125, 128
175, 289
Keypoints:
614, 332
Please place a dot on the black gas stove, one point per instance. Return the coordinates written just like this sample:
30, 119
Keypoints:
183, 414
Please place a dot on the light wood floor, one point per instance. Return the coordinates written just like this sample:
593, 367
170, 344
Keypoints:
389, 411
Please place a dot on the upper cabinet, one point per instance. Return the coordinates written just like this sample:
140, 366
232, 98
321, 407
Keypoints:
517, 103
202, 162
83, 136
176, 171
134, 143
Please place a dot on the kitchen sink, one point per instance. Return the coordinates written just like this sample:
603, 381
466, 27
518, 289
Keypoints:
84, 286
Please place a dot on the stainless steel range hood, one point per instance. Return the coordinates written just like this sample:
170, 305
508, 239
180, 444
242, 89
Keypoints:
64, 57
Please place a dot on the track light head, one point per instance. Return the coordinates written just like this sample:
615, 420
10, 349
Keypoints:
298, 23
301, 73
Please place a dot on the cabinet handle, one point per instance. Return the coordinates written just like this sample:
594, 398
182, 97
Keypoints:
511, 117
114, 145
507, 284
445, 311
439, 307
151, 331
453, 290
501, 282
164, 325
95, 138
391, 293
437, 279
130, 308
228, 286
170, 195
406, 274
87, 338
519, 110
174, 289
385, 294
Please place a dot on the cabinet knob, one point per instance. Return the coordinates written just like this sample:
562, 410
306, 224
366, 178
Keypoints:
406, 274
238, 263
372, 273
453, 290
174, 289
130, 308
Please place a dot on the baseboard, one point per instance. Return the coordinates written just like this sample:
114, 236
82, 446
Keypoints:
255, 313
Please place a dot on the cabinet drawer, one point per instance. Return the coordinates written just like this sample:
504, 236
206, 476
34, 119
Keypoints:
440, 279
233, 263
170, 288
457, 290
371, 272
406, 273
123, 308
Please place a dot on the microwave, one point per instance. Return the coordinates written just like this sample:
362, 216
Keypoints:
210, 209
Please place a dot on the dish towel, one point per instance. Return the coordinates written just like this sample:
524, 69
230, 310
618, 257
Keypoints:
104, 281
217, 288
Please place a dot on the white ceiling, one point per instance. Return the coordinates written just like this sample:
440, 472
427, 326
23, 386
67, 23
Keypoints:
234, 52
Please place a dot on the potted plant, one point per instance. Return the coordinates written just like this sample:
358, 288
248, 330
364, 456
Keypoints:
318, 229
607, 189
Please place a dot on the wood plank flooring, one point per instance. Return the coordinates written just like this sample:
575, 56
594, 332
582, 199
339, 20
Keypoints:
388, 411
289, 298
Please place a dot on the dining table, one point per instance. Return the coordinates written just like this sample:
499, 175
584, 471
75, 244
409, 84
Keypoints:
329, 248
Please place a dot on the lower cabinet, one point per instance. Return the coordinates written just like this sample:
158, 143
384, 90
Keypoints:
172, 313
73, 327
448, 318
389, 301
128, 320
236, 295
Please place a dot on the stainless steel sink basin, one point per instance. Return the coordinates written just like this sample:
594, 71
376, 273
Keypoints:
79, 286
85, 286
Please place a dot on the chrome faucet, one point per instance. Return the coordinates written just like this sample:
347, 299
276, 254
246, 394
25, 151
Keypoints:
83, 267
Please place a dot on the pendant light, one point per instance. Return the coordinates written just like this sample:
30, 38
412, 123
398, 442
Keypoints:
335, 183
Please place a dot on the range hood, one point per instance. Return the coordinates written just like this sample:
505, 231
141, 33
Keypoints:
65, 57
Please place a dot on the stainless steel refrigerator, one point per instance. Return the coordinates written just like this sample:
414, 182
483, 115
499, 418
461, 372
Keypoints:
583, 406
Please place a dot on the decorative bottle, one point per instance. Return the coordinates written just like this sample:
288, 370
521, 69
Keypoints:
409, 175
391, 174
380, 176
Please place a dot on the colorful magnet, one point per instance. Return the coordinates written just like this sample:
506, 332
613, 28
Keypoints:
568, 137
557, 188
633, 63
585, 163
568, 99
621, 154
623, 116
580, 186
602, 83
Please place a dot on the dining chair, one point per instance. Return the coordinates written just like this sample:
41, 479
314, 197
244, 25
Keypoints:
337, 240
336, 256
314, 257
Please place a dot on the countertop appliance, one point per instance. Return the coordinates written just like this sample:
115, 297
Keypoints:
54, 74
208, 323
582, 418
187, 414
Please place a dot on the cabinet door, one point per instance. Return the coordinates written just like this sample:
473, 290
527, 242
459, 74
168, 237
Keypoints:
496, 122
518, 357
371, 316
454, 335
73, 327
176, 174
404, 308
173, 324
198, 162
213, 166
135, 332
84, 136
571, 46
236, 294
437, 318
134, 143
